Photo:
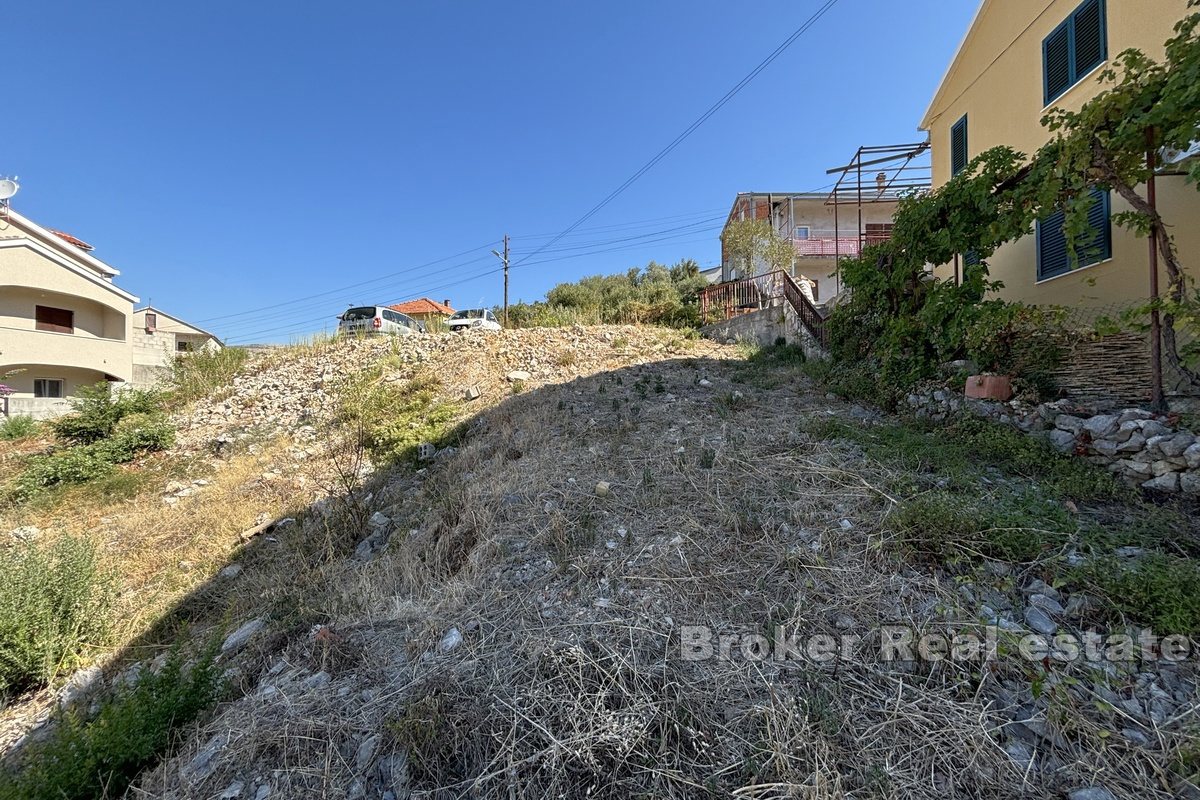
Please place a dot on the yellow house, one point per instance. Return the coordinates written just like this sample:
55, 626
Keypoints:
1019, 58
63, 323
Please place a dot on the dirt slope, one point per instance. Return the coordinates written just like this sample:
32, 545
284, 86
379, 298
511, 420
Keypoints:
525, 615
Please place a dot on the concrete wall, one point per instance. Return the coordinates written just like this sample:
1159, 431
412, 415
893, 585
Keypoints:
22, 376
765, 327
153, 351
997, 82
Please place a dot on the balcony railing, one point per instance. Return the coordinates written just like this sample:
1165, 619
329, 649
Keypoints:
726, 300
824, 244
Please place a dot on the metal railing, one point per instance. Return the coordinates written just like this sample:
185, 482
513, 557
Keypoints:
724, 301
825, 244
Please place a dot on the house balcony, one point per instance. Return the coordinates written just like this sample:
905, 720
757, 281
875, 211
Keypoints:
825, 244
21, 346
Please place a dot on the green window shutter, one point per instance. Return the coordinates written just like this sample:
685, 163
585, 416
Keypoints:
1089, 40
958, 146
1054, 257
971, 258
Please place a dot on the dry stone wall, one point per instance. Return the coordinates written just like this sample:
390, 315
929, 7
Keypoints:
1142, 448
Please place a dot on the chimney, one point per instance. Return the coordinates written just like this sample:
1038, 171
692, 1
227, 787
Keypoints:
446, 303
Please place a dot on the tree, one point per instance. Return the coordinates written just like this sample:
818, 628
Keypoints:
752, 241
907, 322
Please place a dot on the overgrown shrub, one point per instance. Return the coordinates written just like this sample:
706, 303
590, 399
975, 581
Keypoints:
655, 295
199, 374
96, 410
133, 435
393, 419
18, 427
1018, 340
101, 756
55, 602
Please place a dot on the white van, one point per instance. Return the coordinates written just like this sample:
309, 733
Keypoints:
473, 318
377, 319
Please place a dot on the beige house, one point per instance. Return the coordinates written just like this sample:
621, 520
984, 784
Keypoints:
63, 322
819, 236
158, 339
1018, 59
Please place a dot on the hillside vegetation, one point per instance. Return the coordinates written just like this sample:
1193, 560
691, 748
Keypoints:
522, 614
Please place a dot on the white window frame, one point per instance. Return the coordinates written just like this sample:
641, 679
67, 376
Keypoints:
62, 388
807, 232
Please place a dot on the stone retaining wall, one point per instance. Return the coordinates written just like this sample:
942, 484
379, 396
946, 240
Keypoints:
1142, 448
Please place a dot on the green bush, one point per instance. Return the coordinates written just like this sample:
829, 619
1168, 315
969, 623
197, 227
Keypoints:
18, 427
96, 410
394, 419
1018, 340
100, 757
655, 295
199, 374
134, 434
54, 603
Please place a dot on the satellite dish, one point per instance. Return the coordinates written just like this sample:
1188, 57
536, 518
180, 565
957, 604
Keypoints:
8, 188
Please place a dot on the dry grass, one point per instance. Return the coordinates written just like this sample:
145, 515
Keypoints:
569, 681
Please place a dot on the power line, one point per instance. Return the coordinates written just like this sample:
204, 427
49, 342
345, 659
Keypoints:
231, 329
350, 286
678, 140
334, 295
645, 223
294, 326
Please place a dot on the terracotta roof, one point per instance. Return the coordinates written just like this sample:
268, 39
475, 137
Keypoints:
422, 306
69, 239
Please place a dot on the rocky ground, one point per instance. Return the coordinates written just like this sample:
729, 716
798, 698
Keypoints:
577, 599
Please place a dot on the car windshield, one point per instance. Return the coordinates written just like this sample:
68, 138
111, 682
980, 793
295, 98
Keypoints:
470, 313
363, 312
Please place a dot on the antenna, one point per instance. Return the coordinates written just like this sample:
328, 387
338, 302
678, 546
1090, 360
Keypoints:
8, 188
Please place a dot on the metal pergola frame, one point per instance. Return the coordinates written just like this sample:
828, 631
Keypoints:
894, 171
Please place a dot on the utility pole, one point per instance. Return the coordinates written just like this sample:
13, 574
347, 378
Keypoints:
504, 257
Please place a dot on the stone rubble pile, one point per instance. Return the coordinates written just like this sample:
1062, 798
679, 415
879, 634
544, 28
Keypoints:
1142, 448
295, 390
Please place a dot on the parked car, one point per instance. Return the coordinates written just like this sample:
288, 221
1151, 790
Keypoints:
377, 319
477, 318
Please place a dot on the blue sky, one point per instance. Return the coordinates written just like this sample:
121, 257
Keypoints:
227, 156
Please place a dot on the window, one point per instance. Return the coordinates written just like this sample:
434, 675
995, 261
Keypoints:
971, 258
183, 347
958, 146
48, 387
151, 322
802, 232
1055, 258
1075, 47
56, 320
877, 233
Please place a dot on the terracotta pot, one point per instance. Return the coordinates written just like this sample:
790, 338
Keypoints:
989, 387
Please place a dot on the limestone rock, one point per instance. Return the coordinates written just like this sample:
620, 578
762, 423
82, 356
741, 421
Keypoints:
1167, 482
242, 636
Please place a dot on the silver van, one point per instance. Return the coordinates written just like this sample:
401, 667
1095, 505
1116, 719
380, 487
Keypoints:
377, 319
